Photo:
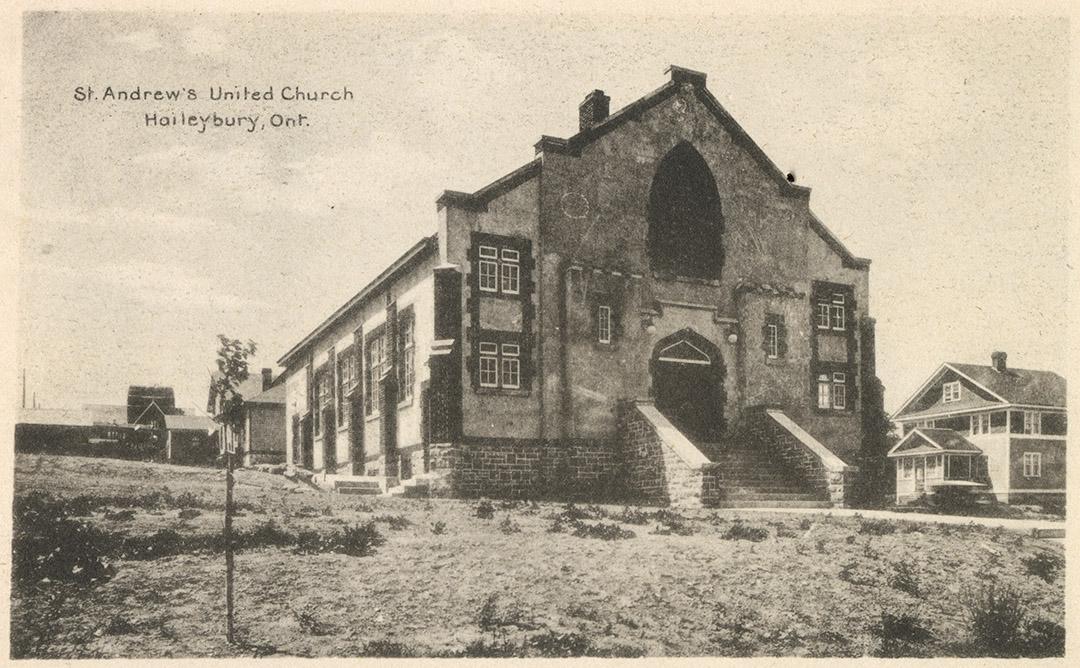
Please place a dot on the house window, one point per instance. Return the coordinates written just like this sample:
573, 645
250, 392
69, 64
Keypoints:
375, 359
831, 310
488, 269
342, 385
909, 467
510, 270
1032, 422
839, 388
489, 364
511, 366
823, 318
406, 354
772, 341
603, 324
950, 392
832, 390
1032, 464
838, 319
498, 263
500, 365
824, 400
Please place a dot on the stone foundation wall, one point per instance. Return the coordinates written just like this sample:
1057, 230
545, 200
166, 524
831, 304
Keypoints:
507, 468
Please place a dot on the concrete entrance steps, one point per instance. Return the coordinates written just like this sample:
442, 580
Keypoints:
752, 479
417, 487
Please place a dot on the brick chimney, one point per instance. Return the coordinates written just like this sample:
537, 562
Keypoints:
267, 377
998, 359
593, 110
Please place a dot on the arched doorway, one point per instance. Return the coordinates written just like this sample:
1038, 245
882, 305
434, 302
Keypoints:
688, 384
686, 225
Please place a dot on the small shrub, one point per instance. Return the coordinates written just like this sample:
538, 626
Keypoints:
996, 614
1044, 639
902, 635
310, 624
602, 531
384, 648
491, 649
438, 528
554, 644
1044, 565
877, 527
161, 543
360, 540
740, 531
509, 526
672, 523
395, 522
484, 510
187, 500
492, 616
189, 513
583, 611
805, 524
632, 516
904, 578
48, 545
119, 626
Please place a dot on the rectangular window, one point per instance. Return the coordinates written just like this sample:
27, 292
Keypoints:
406, 354
375, 359
980, 424
603, 324
824, 399
1032, 465
909, 467
950, 392
489, 365
838, 319
824, 309
1032, 422
342, 384
511, 366
489, 269
772, 341
839, 389
511, 272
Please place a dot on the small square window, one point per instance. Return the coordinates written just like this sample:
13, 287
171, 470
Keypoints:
950, 392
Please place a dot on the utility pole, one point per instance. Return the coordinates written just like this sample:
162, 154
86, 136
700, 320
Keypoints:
24, 387
229, 450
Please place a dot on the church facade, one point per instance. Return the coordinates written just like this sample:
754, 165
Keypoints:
648, 308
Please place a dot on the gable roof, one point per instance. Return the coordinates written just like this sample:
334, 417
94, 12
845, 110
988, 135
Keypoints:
418, 253
923, 440
272, 395
1013, 386
190, 423
1018, 386
633, 111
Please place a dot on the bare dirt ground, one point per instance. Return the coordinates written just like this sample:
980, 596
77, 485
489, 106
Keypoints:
447, 582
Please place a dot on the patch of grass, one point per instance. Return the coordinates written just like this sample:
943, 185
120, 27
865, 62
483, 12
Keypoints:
386, 648
559, 645
493, 615
48, 544
904, 578
874, 527
491, 649
1044, 565
902, 635
395, 522
602, 531
740, 531
438, 528
485, 510
309, 622
733, 628
997, 615
509, 526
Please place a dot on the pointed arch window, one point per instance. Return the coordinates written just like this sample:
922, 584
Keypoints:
685, 222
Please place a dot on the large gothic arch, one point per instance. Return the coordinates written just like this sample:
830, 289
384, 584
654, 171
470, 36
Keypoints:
686, 224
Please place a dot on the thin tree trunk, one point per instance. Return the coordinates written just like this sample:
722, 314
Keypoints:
229, 635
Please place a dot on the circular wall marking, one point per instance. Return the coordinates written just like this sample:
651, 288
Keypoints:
575, 205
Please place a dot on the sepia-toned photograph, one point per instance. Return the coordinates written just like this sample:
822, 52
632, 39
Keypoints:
486, 334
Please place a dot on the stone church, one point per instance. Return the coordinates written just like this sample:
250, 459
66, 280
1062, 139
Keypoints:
648, 309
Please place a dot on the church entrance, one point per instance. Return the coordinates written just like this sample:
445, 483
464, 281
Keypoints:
688, 384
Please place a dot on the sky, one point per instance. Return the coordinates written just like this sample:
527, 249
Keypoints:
937, 147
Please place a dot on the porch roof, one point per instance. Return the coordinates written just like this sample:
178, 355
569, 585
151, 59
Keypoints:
922, 441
